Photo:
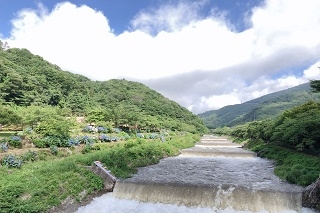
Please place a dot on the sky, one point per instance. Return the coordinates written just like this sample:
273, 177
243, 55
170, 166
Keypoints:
202, 54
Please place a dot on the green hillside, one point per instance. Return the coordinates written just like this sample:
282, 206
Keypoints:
27, 81
268, 106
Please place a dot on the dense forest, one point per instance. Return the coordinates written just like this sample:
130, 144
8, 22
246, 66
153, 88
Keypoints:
268, 106
33, 89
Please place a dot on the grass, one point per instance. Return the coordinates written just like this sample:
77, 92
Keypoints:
40, 185
293, 166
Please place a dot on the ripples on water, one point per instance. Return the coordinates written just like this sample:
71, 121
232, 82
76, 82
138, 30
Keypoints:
252, 173
108, 204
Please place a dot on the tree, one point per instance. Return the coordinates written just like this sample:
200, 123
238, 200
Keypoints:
315, 85
7, 116
55, 127
12, 88
299, 127
4, 45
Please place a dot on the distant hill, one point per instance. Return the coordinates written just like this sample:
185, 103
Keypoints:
27, 79
267, 106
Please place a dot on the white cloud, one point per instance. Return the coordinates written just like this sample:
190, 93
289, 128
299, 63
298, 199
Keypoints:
168, 17
200, 62
313, 72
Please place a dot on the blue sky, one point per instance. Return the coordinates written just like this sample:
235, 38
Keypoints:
203, 54
121, 12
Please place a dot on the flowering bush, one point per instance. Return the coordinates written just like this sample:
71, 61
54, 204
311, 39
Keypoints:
54, 150
116, 130
101, 129
90, 129
73, 142
3, 147
12, 161
104, 138
28, 130
139, 135
86, 139
114, 138
153, 136
15, 141
162, 138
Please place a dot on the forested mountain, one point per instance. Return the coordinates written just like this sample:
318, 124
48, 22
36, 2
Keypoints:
268, 106
27, 80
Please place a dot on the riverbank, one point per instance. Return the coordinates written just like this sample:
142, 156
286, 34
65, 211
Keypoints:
70, 205
39, 186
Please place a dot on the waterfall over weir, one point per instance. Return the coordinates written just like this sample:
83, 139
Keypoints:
214, 176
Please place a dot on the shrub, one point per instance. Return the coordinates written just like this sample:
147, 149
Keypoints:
116, 130
40, 142
101, 129
87, 148
162, 138
73, 142
50, 141
54, 127
54, 150
15, 141
86, 139
90, 129
114, 138
53, 141
124, 136
30, 156
12, 161
28, 130
153, 136
3, 147
139, 135
104, 138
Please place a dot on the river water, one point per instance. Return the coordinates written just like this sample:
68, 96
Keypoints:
214, 176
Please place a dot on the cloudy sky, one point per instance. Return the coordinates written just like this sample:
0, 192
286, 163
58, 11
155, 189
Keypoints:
203, 54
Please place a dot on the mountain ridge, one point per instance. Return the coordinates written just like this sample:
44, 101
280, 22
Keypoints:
29, 80
267, 106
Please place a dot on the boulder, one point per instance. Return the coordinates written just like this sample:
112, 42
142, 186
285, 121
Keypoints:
311, 195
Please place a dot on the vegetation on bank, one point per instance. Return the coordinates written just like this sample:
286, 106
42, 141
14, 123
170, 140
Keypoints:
41, 184
54, 123
31, 87
292, 140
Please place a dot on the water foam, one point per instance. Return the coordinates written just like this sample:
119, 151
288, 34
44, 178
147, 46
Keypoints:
107, 203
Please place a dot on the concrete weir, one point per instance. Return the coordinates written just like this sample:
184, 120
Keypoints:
219, 177
211, 146
214, 196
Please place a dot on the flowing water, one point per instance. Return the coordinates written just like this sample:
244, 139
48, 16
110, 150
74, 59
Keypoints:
214, 176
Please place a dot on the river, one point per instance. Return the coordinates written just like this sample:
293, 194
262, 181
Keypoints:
214, 176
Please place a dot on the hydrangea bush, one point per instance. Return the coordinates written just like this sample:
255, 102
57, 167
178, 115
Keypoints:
15, 141
139, 135
12, 161
3, 147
